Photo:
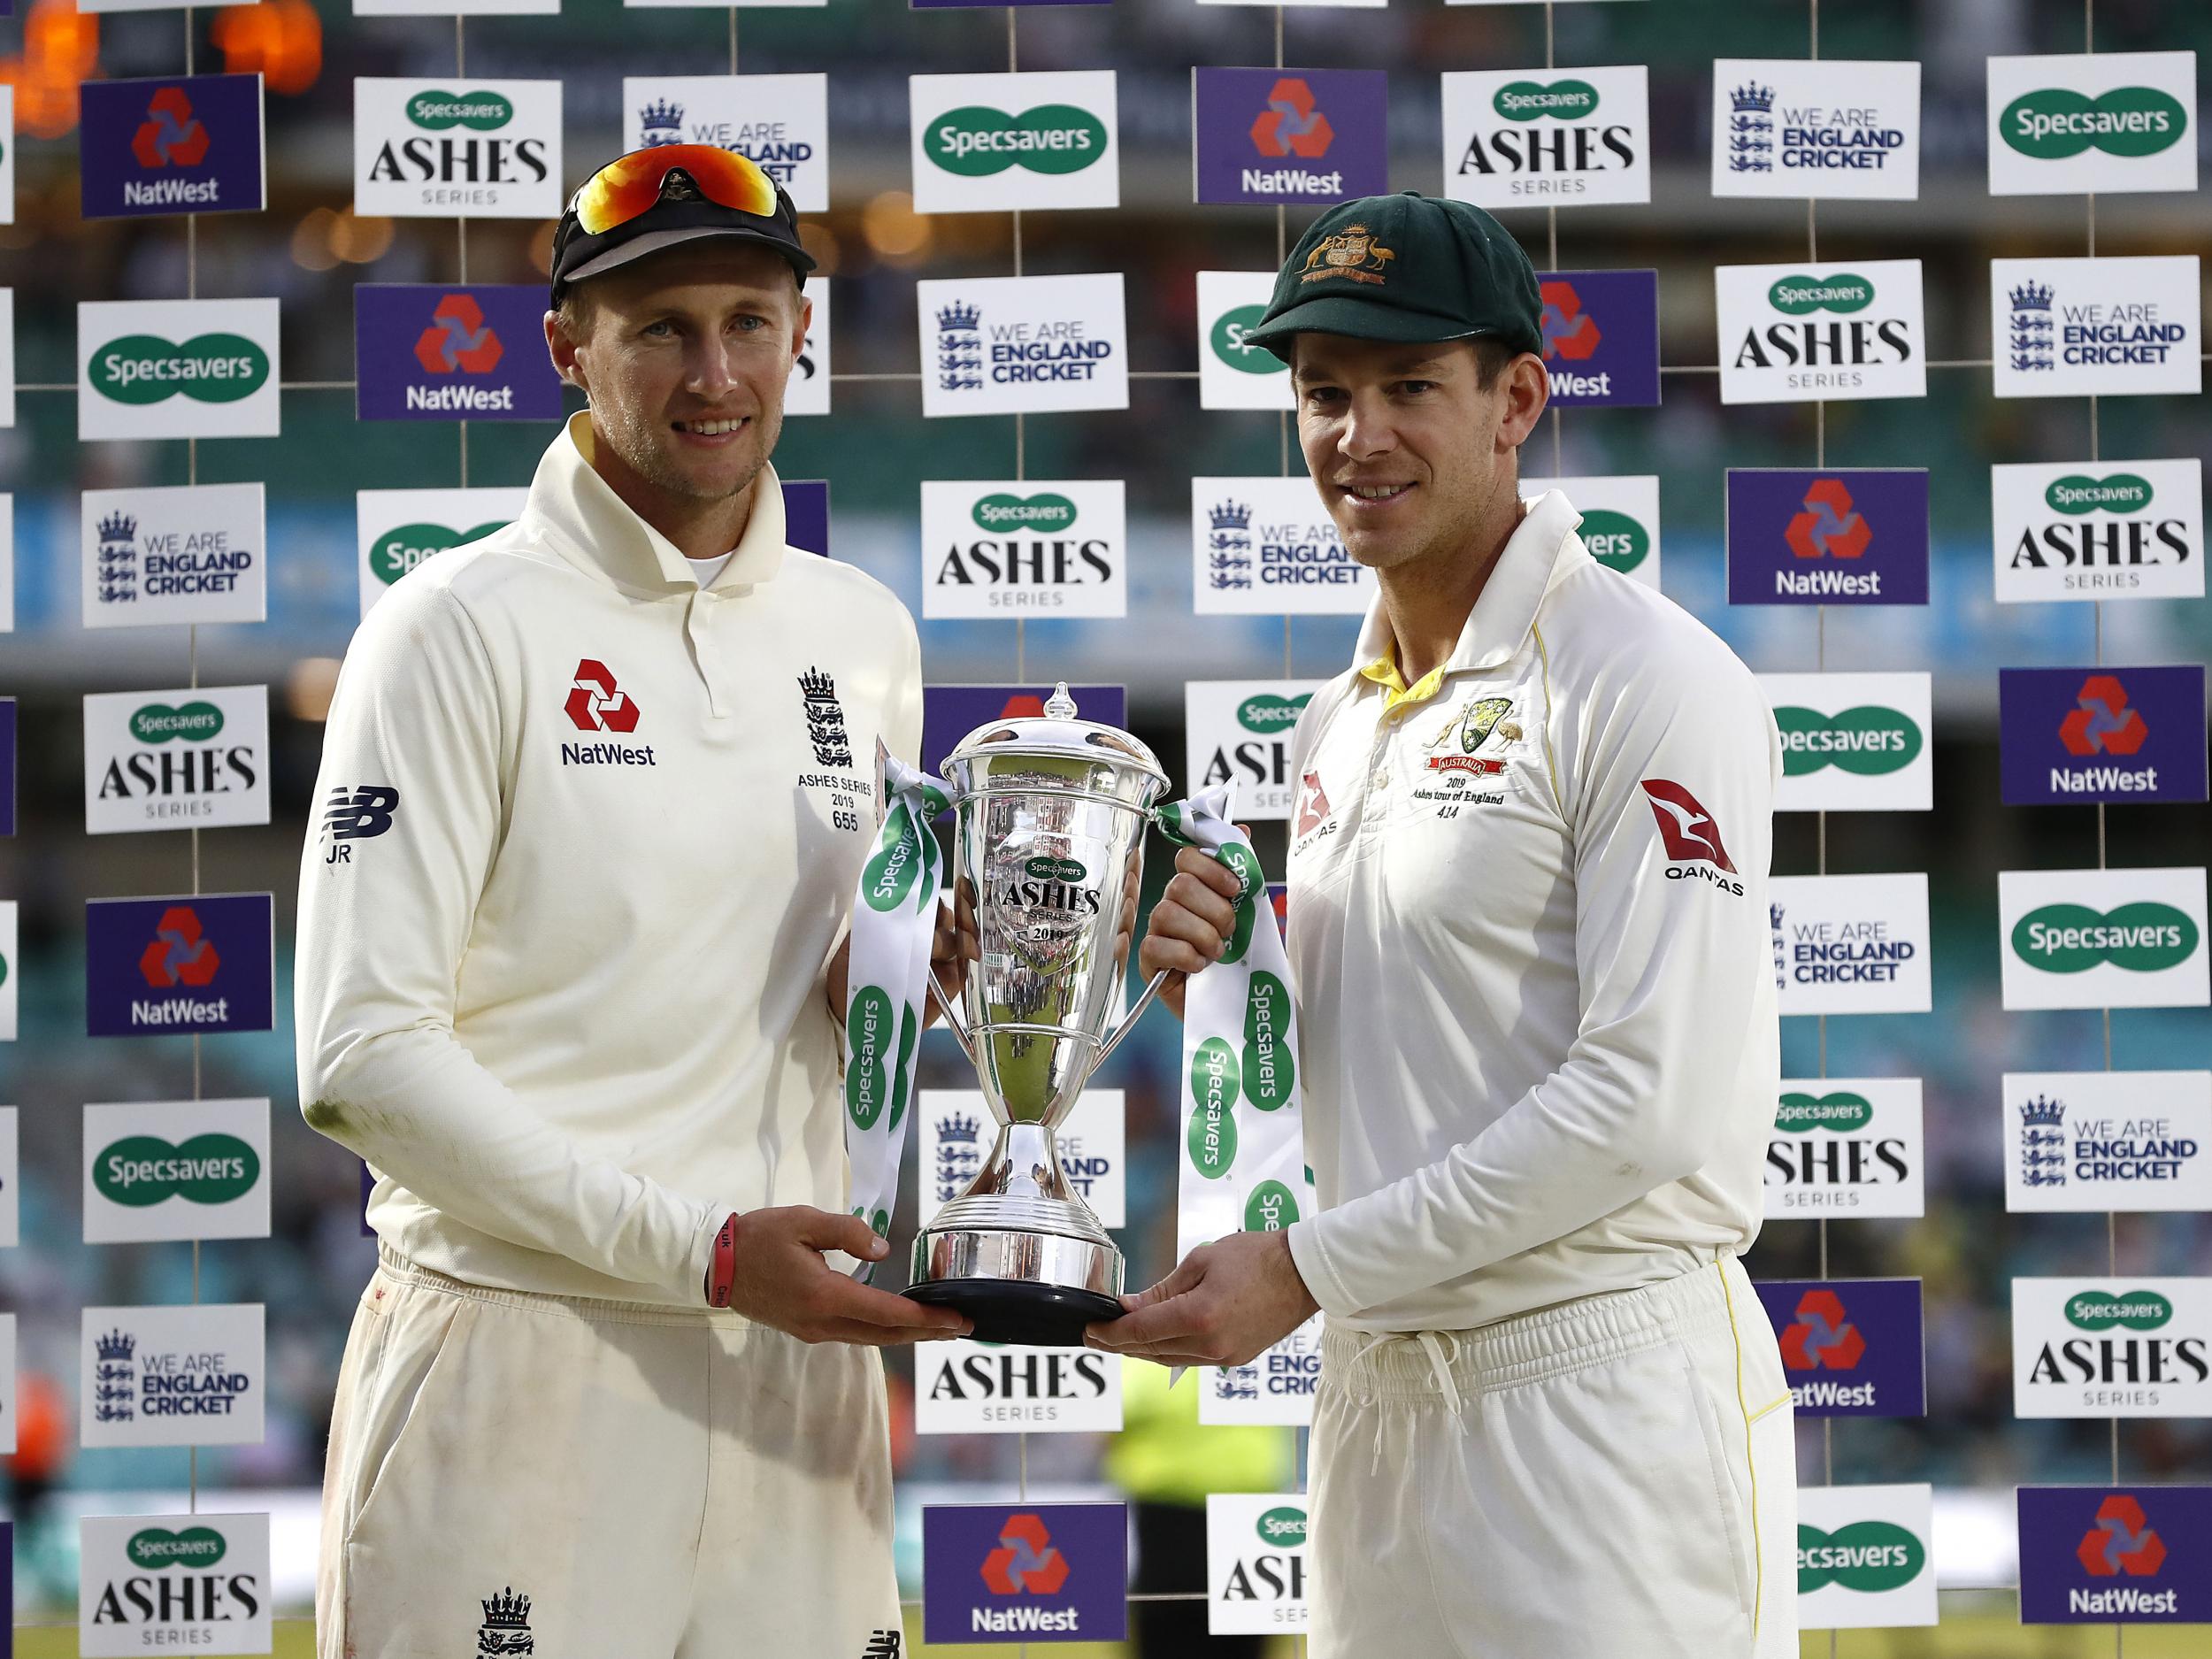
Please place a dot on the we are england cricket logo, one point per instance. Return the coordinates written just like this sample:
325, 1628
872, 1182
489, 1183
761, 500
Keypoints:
780, 123
1792, 128
174, 1376
476, 149
1000, 142
2097, 530
1265, 545
2107, 1140
2103, 121
1581, 137
177, 369
2078, 327
1802, 333
1003, 345
192, 553
398, 529
1000, 546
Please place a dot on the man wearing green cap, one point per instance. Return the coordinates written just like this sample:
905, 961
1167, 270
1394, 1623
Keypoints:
1537, 1012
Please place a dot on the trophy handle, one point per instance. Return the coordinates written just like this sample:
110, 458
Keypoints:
1129, 1020
952, 1020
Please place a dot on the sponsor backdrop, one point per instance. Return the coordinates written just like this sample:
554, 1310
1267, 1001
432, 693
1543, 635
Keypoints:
1845, 316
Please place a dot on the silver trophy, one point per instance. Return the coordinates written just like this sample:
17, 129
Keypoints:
1049, 822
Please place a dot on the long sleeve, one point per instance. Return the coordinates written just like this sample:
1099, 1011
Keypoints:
1671, 823
409, 802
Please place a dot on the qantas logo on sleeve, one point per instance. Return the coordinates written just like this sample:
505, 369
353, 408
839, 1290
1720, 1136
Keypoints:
1690, 835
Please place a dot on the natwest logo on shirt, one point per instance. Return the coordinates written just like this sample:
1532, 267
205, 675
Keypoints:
1689, 834
597, 703
176, 144
2141, 1555
2093, 734
1309, 136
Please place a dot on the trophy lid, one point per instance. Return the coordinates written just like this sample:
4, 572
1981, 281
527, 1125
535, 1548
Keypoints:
1057, 735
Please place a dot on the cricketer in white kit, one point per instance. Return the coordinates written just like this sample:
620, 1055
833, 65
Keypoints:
596, 793
1528, 923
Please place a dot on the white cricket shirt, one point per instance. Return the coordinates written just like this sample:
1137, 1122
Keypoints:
1528, 919
564, 992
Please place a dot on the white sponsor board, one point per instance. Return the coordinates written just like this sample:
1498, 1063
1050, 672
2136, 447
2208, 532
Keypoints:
13, 962
11, 1175
1255, 1562
398, 529
2107, 1140
7, 155
1850, 944
2102, 938
1835, 127
1032, 345
998, 143
173, 1376
1821, 330
781, 122
1853, 742
2096, 327
7, 562
1275, 1390
178, 553
1865, 1558
1547, 137
1034, 547
2093, 121
808, 391
175, 369
957, 1130
191, 1583
1266, 546
1620, 519
2097, 530
1232, 374
183, 1168
192, 758
2119, 1345
457, 146
451, 8
1242, 729
968, 1387
1847, 1146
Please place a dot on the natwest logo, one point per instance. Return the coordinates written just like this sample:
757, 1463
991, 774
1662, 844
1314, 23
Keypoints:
1569, 331
178, 953
596, 703
457, 338
1290, 125
1822, 1336
1025, 1561
2104, 723
1600, 339
170, 133
1260, 134
1803, 537
2122, 1541
1830, 524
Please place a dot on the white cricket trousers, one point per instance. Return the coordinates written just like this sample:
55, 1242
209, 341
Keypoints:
1616, 1477
661, 1483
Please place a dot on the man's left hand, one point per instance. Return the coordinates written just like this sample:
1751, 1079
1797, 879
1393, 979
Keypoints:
1226, 1303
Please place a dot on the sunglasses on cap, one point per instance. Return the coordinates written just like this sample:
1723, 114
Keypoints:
630, 185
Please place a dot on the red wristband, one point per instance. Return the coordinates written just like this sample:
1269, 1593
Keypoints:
723, 1270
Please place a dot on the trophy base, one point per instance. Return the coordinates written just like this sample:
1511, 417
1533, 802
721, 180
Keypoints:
1031, 1288
1020, 1312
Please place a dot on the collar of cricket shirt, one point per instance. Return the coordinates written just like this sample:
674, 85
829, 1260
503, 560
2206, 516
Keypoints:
569, 497
1505, 610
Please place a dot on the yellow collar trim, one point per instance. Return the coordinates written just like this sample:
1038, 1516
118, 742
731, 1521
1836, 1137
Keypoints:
1384, 672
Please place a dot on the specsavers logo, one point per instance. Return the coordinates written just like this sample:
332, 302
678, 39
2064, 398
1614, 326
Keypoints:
1614, 539
2056, 122
1270, 715
157, 1547
1865, 1555
2132, 1310
141, 1171
2143, 937
1842, 1112
1534, 100
977, 141
397, 551
478, 111
214, 368
1005, 514
2077, 493
1868, 741
1226, 339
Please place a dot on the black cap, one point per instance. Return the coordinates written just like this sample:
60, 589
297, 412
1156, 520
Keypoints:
1410, 268
682, 214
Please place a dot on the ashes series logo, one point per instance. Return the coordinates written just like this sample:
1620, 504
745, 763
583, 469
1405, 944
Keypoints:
2075, 327
475, 149
1791, 127
158, 1582
2136, 1347
1798, 333
193, 757
1847, 1146
1580, 139
2086, 1140
2097, 530
1002, 546
1242, 729
1255, 1561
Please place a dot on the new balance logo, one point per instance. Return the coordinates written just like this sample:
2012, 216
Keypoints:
356, 813
883, 1644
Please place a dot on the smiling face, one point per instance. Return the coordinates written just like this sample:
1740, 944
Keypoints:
685, 355
1413, 450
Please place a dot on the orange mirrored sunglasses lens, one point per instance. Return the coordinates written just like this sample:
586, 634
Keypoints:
622, 189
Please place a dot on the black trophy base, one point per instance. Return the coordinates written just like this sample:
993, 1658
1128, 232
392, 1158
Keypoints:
1020, 1312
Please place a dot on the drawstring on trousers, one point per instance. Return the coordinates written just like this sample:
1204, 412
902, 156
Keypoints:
1440, 1362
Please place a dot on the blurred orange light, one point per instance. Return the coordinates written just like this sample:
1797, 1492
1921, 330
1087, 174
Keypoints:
60, 48
282, 39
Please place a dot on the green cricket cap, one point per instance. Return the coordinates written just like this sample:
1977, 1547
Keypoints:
1408, 267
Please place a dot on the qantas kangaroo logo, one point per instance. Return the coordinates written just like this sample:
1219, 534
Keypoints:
1687, 829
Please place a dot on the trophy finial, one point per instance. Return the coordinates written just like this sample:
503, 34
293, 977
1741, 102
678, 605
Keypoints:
1060, 706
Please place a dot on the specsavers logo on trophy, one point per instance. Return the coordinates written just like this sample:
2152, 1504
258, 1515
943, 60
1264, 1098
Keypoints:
1233, 374
1265, 546
1620, 519
398, 529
